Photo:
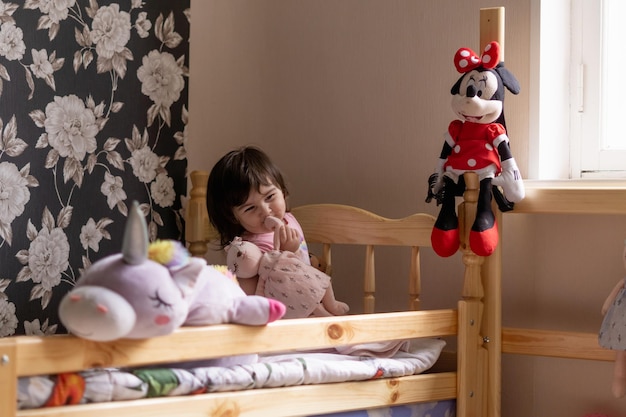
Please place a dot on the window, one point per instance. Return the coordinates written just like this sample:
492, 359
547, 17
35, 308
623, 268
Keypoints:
597, 108
577, 48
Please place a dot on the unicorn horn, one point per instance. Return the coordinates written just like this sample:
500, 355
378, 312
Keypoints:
135, 243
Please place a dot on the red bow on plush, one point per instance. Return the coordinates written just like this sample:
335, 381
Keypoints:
466, 60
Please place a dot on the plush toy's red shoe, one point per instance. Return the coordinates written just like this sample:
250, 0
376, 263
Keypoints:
484, 243
445, 242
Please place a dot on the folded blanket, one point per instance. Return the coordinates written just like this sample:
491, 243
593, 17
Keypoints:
377, 350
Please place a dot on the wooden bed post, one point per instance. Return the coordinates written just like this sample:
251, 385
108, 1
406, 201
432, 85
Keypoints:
8, 383
195, 233
471, 358
480, 340
492, 22
491, 329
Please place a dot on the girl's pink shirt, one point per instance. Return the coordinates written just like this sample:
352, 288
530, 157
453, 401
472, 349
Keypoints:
265, 241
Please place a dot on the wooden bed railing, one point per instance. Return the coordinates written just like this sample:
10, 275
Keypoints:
42, 355
34, 355
583, 197
554, 343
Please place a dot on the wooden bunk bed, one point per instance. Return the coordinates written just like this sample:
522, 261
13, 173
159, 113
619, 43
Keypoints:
471, 377
471, 381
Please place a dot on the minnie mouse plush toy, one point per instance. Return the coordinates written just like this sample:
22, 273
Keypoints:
477, 142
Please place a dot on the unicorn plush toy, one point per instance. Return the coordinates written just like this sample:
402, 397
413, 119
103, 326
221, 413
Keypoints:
151, 290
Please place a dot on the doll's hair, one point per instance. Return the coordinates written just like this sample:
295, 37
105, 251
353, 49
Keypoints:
230, 182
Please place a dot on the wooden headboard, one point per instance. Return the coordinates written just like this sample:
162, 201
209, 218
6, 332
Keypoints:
328, 225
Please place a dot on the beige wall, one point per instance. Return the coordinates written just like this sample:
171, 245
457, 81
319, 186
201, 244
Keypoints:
351, 97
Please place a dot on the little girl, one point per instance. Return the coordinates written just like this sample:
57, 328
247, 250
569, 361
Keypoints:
613, 331
244, 188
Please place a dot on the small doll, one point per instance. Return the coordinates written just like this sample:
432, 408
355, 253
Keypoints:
283, 276
613, 331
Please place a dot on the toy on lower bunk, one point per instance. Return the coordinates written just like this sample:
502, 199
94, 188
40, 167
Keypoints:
318, 263
151, 290
283, 276
613, 331
478, 142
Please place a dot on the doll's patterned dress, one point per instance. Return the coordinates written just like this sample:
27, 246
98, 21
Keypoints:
613, 330
284, 277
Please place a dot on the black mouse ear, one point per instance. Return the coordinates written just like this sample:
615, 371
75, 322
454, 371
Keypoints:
508, 79
457, 86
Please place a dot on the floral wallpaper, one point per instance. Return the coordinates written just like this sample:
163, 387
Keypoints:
93, 110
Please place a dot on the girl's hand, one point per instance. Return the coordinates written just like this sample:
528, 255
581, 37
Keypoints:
289, 239
285, 237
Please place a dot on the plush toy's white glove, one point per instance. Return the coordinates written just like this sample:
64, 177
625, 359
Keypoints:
511, 181
439, 171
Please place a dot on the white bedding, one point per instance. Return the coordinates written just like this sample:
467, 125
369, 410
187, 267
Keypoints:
101, 385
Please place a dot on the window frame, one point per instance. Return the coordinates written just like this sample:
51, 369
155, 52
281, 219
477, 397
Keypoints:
564, 142
589, 157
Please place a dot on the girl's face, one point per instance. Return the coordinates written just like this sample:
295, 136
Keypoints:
269, 200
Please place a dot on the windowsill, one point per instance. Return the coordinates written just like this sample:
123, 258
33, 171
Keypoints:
578, 196
577, 184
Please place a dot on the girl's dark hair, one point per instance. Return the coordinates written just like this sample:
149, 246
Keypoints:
230, 182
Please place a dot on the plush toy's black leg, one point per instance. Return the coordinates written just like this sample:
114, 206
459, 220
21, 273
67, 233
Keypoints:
484, 233
503, 204
445, 233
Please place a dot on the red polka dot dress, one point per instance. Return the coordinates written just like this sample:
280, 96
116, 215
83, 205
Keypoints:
474, 146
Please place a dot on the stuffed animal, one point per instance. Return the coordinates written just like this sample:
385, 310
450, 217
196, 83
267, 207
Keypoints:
318, 263
477, 142
151, 290
613, 331
305, 290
